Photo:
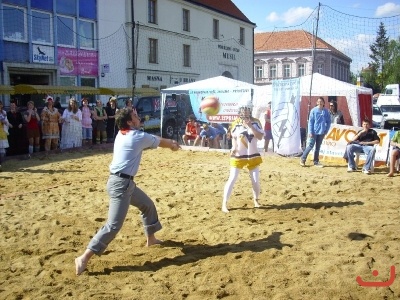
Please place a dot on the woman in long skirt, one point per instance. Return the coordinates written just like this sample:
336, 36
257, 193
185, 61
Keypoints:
71, 133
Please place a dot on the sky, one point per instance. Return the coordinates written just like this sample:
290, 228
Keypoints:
268, 14
349, 25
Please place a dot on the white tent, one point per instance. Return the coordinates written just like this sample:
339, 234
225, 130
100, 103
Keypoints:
321, 86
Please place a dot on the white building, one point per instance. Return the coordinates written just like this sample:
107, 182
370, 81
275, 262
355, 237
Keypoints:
176, 41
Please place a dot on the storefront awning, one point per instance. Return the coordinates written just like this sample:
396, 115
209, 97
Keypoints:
128, 91
6, 90
55, 89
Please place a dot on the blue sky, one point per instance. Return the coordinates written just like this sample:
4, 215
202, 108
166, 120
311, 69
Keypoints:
350, 26
268, 14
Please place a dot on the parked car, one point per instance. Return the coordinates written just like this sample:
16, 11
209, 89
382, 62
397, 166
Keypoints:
391, 116
377, 116
176, 111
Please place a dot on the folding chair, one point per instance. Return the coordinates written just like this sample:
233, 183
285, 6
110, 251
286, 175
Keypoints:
357, 158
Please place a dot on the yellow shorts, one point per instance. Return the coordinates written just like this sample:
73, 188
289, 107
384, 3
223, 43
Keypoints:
250, 163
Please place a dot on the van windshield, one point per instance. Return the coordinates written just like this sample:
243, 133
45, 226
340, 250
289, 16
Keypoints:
390, 108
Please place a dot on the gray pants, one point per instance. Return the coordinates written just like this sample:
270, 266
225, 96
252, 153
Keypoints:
124, 192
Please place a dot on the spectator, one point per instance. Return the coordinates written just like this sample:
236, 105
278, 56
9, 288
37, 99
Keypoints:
57, 103
220, 132
336, 115
267, 128
192, 130
86, 123
318, 125
207, 136
3, 133
100, 117
71, 134
32, 128
111, 128
128, 103
16, 131
50, 130
363, 142
394, 154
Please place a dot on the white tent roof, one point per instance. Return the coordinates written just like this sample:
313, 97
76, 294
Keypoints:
220, 82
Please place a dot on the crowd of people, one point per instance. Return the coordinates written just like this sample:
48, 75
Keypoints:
30, 131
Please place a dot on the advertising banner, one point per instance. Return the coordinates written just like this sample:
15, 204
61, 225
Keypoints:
74, 62
229, 100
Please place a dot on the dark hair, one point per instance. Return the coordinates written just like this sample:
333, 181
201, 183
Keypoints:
122, 117
366, 120
334, 104
192, 117
321, 98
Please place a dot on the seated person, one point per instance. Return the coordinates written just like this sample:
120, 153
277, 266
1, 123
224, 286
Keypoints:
207, 134
394, 154
220, 134
192, 131
363, 142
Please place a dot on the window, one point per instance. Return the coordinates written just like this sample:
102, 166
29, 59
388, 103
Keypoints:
320, 69
186, 55
241, 41
300, 70
145, 105
152, 11
14, 23
259, 72
215, 29
286, 70
186, 20
65, 31
153, 46
42, 29
66, 7
272, 71
87, 34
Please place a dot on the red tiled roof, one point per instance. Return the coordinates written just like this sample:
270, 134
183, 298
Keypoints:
226, 7
293, 40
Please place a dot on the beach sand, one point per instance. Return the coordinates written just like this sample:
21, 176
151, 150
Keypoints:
317, 230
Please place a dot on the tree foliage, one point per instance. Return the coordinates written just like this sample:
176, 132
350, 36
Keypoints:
385, 65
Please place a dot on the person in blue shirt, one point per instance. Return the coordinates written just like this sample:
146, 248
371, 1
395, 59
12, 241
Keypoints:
207, 135
318, 126
220, 130
121, 187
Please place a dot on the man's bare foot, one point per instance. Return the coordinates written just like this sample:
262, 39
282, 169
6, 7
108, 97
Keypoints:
256, 204
80, 265
225, 209
151, 240
390, 175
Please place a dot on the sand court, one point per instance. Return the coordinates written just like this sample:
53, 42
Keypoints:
317, 229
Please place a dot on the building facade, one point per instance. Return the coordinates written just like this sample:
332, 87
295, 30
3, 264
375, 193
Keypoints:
120, 43
48, 43
289, 54
176, 42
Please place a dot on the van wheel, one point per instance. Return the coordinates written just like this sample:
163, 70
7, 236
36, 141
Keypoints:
168, 130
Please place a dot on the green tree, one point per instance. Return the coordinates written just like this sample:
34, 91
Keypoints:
380, 55
393, 64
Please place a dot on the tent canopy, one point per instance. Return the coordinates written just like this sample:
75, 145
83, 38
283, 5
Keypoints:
128, 91
6, 90
219, 82
54, 89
